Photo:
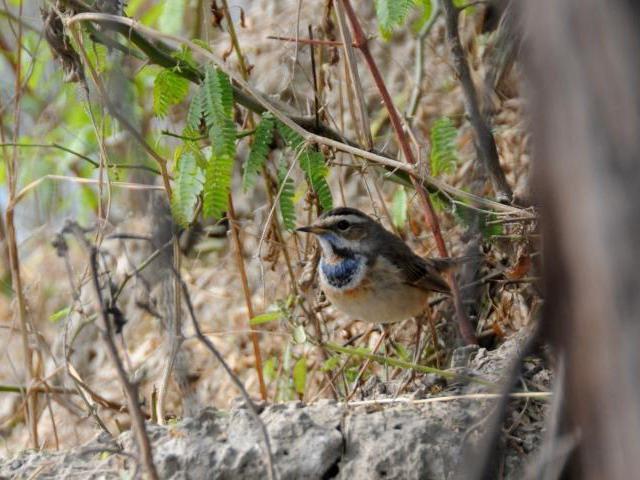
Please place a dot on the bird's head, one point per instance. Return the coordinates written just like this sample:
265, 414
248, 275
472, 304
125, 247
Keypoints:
344, 232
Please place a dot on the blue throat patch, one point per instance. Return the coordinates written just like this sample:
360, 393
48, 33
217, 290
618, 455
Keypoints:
340, 274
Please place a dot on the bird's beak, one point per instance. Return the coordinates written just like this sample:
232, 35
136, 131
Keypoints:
311, 229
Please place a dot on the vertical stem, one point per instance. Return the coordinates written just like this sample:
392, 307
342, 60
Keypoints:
235, 233
31, 405
235, 228
130, 389
484, 142
431, 219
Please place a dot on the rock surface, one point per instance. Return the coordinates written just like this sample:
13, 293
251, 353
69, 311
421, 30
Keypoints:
367, 440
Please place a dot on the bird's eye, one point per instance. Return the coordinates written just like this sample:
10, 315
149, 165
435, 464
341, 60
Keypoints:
343, 225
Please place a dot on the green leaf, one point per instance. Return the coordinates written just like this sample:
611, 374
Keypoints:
194, 114
391, 14
218, 113
96, 53
187, 187
299, 335
259, 150
270, 368
218, 176
172, 16
169, 89
399, 208
293, 139
443, 146
427, 8
312, 163
59, 315
265, 318
300, 375
287, 190
330, 364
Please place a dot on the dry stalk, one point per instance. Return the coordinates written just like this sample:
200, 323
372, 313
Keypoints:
235, 233
31, 404
236, 381
484, 142
235, 227
356, 85
130, 389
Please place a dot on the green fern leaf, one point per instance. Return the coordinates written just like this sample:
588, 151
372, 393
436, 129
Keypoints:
259, 150
194, 114
187, 187
287, 192
391, 14
218, 112
218, 176
313, 165
168, 89
293, 139
443, 146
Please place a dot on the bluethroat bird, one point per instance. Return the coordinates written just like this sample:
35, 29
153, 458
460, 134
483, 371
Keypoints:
369, 273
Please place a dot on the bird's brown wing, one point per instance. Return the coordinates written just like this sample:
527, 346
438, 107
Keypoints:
422, 273
426, 275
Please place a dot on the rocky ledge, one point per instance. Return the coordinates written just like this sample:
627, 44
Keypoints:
379, 438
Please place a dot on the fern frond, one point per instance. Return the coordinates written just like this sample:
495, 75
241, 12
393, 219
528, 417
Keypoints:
443, 147
218, 113
391, 14
313, 165
218, 176
187, 186
291, 138
194, 114
168, 89
259, 150
287, 191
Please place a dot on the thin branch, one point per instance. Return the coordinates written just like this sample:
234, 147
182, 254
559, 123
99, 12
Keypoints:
352, 69
307, 41
252, 407
52, 145
394, 362
127, 185
484, 142
419, 62
454, 398
255, 340
31, 405
130, 389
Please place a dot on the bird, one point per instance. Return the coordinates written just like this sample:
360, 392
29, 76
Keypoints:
368, 272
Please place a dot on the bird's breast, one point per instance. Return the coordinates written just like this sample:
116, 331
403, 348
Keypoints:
371, 293
342, 274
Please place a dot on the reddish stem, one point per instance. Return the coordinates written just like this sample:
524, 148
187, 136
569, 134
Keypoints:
307, 41
360, 41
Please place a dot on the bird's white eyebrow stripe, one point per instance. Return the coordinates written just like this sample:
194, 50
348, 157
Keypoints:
351, 218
